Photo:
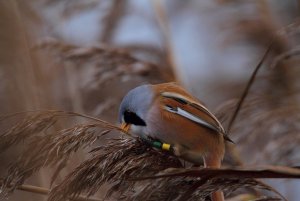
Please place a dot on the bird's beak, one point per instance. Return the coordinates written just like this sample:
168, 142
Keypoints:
125, 127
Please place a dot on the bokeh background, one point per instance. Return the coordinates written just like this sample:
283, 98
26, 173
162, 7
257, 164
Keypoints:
84, 56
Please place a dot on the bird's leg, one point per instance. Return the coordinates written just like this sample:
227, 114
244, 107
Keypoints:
217, 196
214, 162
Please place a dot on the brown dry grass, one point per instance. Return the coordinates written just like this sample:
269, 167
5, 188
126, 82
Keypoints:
268, 119
121, 163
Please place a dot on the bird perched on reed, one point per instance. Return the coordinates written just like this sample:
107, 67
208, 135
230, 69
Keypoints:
168, 113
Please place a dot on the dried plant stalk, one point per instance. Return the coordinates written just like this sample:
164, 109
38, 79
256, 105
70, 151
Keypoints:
237, 172
122, 161
45, 191
279, 125
45, 148
110, 62
31, 125
127, 165
180, 188
113, 163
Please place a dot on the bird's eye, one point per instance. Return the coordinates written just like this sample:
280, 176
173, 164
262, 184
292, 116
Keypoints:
132, 118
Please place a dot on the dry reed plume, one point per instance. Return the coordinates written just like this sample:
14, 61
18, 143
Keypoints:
129, 165
44, 146
110, 63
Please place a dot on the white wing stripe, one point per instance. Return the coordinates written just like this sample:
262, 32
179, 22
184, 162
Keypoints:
191, 117
195, 105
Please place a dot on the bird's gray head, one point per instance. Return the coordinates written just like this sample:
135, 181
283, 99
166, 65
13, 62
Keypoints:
135, 105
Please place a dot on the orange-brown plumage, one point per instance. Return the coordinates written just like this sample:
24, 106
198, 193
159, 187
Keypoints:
193, 141
168, 113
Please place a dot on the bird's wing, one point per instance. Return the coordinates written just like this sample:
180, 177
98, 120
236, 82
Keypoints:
192, 110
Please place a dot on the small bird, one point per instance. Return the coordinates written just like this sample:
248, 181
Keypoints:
168, 113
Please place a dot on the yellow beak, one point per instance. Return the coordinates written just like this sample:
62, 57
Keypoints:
125, 127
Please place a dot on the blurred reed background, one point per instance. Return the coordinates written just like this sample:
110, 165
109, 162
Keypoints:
84, 56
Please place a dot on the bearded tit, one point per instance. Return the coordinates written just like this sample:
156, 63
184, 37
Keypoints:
168, 113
